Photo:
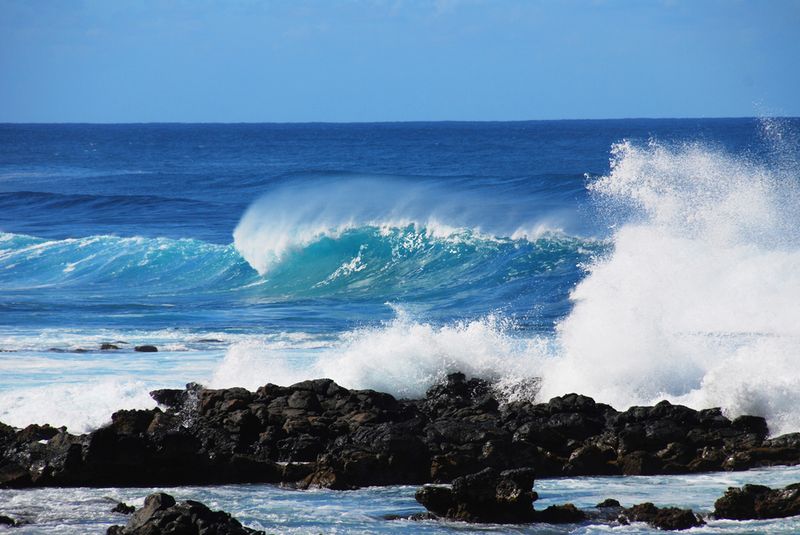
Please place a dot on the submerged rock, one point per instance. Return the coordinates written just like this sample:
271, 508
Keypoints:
161, 515
758, 502
146, 349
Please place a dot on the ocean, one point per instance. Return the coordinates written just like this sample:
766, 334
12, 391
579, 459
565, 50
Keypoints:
628, 260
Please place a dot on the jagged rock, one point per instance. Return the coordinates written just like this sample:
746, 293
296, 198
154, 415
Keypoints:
592, 460
123, 508
667, 518
608, 502
7, 521
485, 496
640, 463
161, 515
757, 501
488, 496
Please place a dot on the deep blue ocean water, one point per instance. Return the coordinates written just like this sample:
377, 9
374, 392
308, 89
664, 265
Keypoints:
630, 260
180, 190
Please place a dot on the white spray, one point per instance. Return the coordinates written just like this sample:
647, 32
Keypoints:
700, 300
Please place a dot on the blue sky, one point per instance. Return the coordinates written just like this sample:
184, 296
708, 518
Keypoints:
396, 60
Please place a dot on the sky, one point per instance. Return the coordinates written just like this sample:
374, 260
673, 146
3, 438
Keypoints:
396, 60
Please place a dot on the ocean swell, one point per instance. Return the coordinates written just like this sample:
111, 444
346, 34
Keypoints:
117, 265
378, 263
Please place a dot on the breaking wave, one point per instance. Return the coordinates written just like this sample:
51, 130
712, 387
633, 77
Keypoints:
366, 262
699, 302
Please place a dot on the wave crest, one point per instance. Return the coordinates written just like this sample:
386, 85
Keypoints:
293, 216
377, 263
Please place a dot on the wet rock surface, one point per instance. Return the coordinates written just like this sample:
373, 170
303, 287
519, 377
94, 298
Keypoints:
318, 434
758, 502
123, 508
508, 497
486, 496
161, 515
666, 518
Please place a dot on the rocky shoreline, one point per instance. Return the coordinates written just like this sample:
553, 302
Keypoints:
316, 433
479, 453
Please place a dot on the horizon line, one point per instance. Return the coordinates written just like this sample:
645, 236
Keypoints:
438, 121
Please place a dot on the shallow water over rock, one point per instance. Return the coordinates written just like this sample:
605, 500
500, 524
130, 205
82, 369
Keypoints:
273, 509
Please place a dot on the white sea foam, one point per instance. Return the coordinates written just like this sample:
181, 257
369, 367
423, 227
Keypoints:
82, 390
700, 300
79, 406
403, 357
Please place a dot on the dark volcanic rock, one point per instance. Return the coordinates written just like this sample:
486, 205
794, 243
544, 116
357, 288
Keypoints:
160, 515
316, 433
488, 496
123, 508
561, 514
7, 521
758, 501
485, 496
667, 518
108, 347
608, 502
146, 349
